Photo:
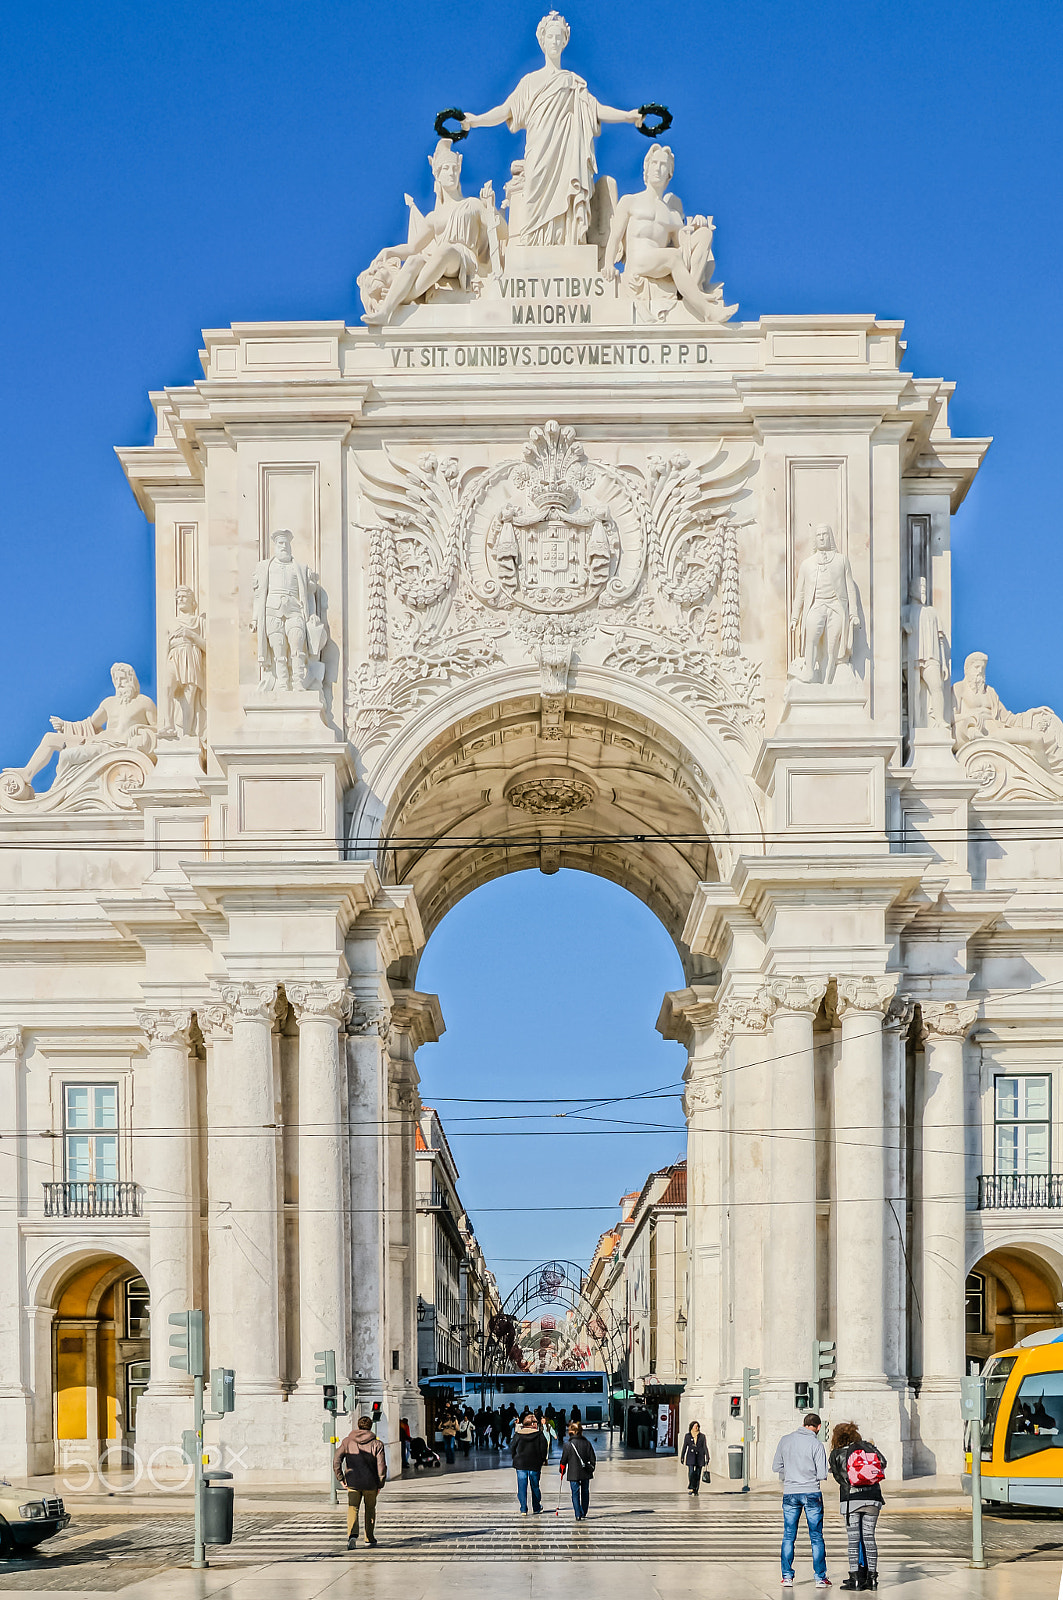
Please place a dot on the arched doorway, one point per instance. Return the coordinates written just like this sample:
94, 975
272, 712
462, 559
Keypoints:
100, 1360
1010, 1293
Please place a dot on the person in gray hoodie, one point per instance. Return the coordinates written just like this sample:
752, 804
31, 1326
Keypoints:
361, 1464
801, 1462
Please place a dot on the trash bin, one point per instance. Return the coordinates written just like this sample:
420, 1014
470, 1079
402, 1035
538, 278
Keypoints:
735, 1460
217, 1509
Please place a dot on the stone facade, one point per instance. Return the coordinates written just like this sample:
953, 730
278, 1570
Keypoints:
546, 566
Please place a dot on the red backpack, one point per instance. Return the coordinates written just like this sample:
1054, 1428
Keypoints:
863, 1467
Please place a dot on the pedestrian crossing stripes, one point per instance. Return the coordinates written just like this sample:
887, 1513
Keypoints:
613, 1532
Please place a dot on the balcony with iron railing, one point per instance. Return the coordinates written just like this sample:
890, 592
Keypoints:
83, 1199
1021, 1191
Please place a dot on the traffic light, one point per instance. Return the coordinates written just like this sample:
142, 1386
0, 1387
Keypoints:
350, 1398
222, 1390
824, 1361
377, 1408
330, 1395
736, 1405
326, 1377
802, 1396
750, 1383
189, 1343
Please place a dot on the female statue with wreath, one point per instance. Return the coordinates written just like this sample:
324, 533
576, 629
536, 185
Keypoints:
450, 243
561, 120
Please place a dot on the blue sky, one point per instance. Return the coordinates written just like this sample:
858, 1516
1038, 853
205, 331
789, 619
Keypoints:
169, 168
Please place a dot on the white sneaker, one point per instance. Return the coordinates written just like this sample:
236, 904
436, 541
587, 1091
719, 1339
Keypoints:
823, 1583
788, 1583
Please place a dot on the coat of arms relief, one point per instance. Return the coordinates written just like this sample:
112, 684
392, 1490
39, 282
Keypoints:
558, 558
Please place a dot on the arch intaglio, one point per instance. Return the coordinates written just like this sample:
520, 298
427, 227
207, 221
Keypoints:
548, 559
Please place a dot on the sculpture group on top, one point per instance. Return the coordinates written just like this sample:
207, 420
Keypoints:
103, 759
554, 197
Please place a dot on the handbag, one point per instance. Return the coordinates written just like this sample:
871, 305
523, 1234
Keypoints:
706, 1476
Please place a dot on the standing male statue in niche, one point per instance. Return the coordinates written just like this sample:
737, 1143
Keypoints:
826, 611
561, 120
286, 618
927, 665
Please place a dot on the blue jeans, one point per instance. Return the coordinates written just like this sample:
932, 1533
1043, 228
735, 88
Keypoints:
448, 1446
792, 1506
581, 1497
523, 1480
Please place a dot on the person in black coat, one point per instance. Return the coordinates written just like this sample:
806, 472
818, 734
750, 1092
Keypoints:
695, 1456
578, 1458
861, 1504
530, 1450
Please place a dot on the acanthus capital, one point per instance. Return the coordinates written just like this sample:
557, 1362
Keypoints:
948, 1019
369, 1016
899, 1014
215, 1018
320, 1002
251, 1002
165, 1026
703, 1093
10, 1041
865, 993
749, 1011
797, 993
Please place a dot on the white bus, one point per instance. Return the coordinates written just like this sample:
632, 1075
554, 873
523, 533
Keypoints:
589, 1391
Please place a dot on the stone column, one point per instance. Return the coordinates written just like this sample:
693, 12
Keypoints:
944, 1216
15, 1399
367, 1102
705, 1216
251, 1155
790, 1308
862, 1222
216, 1025
165, 1169
896, 1023
324, 1318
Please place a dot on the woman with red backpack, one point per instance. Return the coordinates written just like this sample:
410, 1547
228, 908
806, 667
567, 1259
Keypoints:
859, 1468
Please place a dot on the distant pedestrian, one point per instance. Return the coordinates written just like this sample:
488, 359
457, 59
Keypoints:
642, 1427
465, 1432
578, 1456
481, 1427
858, 1468
449, 1430
801, 1463
695, 1456
529, 1457
404, 1441
360, 1463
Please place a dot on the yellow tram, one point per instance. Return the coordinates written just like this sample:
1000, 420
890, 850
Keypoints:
1022, 1436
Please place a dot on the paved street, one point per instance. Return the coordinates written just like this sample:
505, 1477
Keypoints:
439, 1531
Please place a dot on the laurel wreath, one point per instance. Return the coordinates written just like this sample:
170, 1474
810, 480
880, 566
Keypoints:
453, 114
662, 125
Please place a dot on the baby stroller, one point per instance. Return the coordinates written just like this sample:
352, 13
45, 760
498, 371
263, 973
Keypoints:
421, 1455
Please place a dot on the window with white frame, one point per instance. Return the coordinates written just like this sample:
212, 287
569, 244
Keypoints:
1022, 1115
90, 1132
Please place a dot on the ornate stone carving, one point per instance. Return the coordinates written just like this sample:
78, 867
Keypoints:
702, 1093
165, 1026
1010, 755
867, 993
11, 1042
481, 567
288, 618
185, 678
251, 1002
551, 797
948, 1019
826, 612
215, 1018
325, 1001
561, 119
749, 1011
899, 1015
368, 1017
927, 665
797, 993
666, 255
103, 760
456, 240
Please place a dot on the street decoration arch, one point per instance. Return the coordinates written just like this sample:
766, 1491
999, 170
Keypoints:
555, 1287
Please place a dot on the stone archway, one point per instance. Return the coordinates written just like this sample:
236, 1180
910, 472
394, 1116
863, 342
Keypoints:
1012, 1291
93, 1344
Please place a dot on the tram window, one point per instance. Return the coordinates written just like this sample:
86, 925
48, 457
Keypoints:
996, 1380
1036, 1421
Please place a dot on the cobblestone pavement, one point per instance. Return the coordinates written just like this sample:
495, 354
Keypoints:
108, 1552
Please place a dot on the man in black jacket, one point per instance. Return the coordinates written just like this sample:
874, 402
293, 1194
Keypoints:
530, 1450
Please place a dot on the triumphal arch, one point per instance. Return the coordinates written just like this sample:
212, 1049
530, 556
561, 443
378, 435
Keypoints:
545, 559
